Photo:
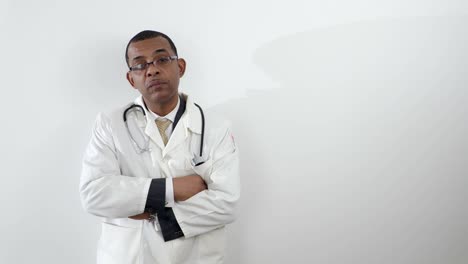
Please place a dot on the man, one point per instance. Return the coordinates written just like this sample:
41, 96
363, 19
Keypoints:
161, 201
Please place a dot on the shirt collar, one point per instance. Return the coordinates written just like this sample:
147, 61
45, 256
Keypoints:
170, 116
191, 118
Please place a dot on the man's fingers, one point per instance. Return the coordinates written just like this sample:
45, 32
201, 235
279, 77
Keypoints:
142, 216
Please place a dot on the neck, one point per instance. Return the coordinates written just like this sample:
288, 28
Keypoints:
162, 109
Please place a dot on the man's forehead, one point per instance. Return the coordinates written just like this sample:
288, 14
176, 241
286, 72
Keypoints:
148, 46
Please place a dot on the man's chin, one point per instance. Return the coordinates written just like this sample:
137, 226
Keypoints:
161, 97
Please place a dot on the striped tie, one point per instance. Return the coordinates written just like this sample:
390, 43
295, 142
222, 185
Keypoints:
163, 124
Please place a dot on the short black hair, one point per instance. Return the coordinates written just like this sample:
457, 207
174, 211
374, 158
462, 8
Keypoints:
148, 34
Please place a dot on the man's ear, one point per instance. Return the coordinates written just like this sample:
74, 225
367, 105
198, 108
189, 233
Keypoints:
181, 63
130, 79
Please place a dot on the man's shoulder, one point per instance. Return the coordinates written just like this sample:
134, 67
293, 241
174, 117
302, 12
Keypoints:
217, 119
113, 115
216, 123
213, 119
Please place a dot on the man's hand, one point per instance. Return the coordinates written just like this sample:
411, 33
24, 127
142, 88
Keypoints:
187, 186
142, 216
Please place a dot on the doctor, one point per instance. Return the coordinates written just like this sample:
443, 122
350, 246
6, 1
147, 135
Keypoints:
161, 202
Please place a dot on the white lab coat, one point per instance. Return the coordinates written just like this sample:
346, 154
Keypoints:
115, 182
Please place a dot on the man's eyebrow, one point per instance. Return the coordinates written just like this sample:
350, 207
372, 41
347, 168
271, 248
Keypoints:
137, 58
159, 51
154, 52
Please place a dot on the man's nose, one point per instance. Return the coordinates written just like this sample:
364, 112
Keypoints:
152, 70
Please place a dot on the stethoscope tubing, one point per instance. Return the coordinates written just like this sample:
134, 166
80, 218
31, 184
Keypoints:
144, 113
203, 129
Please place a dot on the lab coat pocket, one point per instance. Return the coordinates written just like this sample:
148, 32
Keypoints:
118, 244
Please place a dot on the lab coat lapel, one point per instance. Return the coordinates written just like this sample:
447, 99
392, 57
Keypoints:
193, 121
178, 136
151, 130
189, 122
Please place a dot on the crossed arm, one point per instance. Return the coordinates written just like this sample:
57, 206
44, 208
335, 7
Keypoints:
212, 201
184, 188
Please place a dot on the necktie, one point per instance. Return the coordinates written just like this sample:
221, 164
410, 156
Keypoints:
163, 124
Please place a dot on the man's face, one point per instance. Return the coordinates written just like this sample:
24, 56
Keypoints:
157, 84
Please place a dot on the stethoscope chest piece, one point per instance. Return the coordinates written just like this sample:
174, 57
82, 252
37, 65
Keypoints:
197, 160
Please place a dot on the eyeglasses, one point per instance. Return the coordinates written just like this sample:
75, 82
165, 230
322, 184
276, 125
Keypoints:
161, 61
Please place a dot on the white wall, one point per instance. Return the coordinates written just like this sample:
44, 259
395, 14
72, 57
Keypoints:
350, 116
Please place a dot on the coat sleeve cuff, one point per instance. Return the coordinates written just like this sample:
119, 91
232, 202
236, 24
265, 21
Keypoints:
156, 196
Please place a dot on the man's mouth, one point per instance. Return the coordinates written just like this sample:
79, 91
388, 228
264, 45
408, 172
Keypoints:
155, 84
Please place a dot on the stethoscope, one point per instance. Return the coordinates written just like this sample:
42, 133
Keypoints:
197, 159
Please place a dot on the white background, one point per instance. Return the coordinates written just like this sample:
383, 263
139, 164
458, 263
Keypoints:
351, 118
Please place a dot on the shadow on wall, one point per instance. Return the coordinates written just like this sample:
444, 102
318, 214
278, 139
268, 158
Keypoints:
360, 155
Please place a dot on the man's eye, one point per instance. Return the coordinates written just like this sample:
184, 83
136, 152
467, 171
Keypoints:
140, 66
163, 60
